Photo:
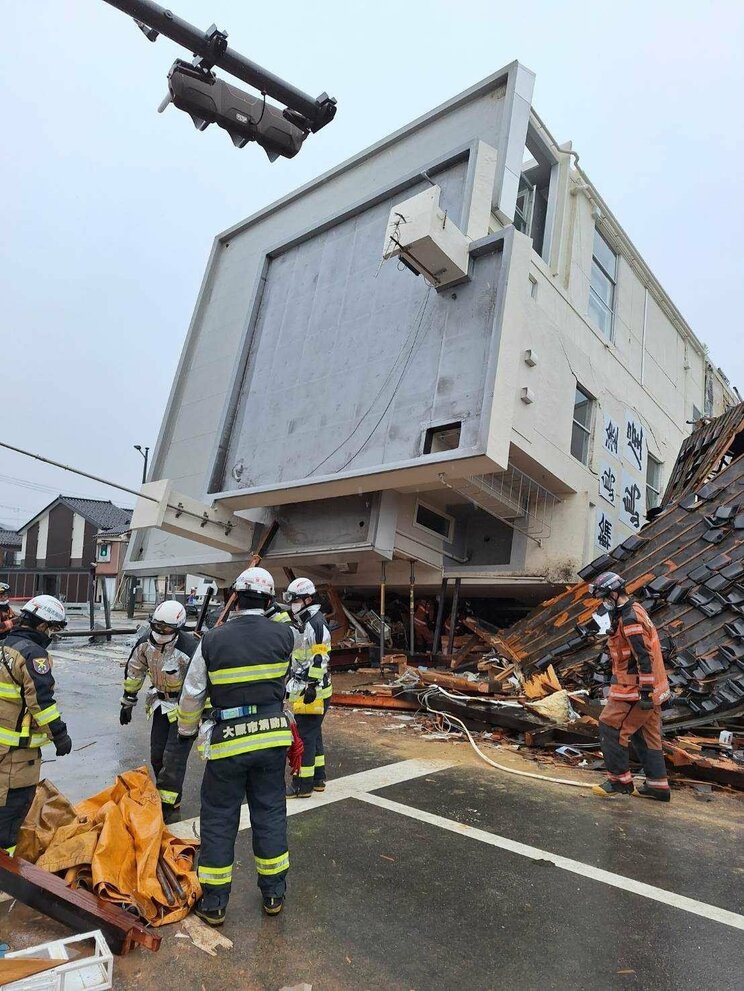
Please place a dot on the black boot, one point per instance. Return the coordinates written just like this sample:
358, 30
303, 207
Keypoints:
656, 794
212, 916
611, 789
273, 904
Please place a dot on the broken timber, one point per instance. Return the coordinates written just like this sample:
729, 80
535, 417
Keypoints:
79, 910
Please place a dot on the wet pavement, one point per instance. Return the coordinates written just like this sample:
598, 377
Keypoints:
381, 898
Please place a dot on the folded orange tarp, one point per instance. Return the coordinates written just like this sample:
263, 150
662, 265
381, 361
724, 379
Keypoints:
116, 845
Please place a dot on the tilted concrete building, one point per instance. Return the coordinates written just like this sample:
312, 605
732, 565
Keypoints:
502, 417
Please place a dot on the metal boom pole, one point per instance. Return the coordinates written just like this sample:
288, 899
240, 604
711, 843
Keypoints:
317, 112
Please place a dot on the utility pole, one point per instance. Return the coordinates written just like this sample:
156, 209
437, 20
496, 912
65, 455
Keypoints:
145, 454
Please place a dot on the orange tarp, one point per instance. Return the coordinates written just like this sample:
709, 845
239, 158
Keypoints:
116, 845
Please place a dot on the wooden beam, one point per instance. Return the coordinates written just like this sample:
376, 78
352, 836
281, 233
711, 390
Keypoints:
345, 699
79, 910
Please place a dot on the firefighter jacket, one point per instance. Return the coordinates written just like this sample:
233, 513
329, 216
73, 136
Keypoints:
637, 662
312, 652
29, 716
242, 667
6, 620
166, 665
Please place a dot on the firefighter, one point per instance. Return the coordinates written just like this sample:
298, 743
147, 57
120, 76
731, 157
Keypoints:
7, 616
242, 666
164, 653
638, 688
29, 716
310, 684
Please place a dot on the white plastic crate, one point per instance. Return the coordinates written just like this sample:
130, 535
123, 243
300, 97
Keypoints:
90, 973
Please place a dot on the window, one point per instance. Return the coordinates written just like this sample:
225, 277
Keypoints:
708, 397
433, 520
443, 438
582, 426
602, 285
104, 552
653, 483
525, 206
696, 414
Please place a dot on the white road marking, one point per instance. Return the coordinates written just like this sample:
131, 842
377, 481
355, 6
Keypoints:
338, 789
691, 905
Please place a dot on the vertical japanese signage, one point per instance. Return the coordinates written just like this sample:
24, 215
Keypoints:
634, 442
621, 481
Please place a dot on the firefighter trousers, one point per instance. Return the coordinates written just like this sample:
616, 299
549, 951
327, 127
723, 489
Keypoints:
623, 723
19, 775
313, 769
168, 756
259, 777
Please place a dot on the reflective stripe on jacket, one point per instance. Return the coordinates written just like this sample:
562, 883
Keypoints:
312, 653
637, 661
28, 711
166, 664
242, 663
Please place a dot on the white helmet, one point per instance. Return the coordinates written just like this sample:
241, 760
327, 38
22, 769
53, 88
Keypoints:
300, 588
255, 580
170, 613
4, 592
47, 609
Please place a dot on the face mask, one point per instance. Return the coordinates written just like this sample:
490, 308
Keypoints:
296, 608
162, 638
4, 604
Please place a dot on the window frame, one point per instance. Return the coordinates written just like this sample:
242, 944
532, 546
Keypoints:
587, 430
652, 459
447, 538
99, 555
612, 279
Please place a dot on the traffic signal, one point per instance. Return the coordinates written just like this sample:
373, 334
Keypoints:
209, 100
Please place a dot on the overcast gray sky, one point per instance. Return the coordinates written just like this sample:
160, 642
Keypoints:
108, 209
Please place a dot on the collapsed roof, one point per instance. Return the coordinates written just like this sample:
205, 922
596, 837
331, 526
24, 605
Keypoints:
686, 568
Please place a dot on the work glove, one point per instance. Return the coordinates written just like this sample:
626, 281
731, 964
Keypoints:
62, 744
125, 715
311, 693
646, 702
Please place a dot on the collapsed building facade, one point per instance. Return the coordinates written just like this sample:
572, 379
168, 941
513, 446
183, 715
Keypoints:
445, 353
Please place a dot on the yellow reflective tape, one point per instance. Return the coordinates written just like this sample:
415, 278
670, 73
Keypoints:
133, 684
169, 797
187, 717
315, 672
325, 693
8, 738
307, 772
9, 691
247, 744
274, 865
320, 760
47, 715
320, 648
10, 850
215, 875
254, 672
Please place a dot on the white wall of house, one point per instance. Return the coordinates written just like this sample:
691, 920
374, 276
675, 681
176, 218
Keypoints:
41, 544
78, 536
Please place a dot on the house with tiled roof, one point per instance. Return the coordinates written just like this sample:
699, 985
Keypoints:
59, 545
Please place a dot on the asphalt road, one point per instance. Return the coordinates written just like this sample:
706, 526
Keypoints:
422, 869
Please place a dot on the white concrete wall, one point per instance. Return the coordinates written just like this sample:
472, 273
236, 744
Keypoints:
78, 536
41, 544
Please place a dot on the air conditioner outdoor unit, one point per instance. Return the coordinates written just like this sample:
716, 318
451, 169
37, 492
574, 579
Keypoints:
421, 234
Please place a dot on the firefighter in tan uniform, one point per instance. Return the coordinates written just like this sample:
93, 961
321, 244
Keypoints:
29, 716
638, 689
7, 616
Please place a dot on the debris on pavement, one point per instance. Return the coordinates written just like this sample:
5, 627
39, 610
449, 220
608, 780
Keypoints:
203, 936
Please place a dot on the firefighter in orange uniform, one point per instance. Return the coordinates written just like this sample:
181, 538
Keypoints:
638, 689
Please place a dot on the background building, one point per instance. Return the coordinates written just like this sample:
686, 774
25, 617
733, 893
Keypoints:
10, 547
58, 546
503, 418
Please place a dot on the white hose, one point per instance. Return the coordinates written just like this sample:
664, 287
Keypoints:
436, 689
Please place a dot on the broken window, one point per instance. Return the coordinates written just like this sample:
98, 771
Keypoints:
538, 173
434, 521
653, 483
582, 425
524, 208
602, 285
443, 438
